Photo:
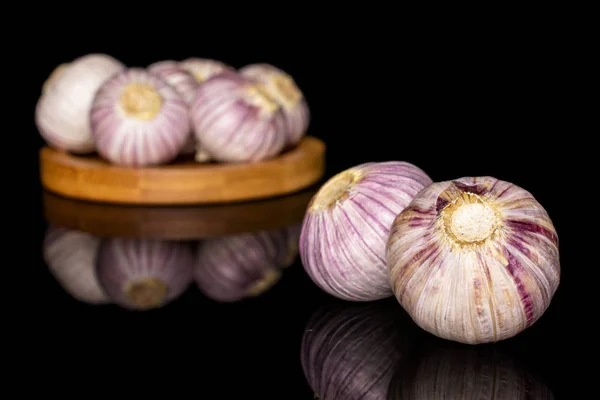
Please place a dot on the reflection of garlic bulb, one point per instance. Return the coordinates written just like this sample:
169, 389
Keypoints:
466, 373
474, 260
71, 257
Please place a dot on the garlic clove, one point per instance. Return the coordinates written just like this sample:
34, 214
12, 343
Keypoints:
71, 257
62, 111
474, 260
143, 274
282, 87
346, 227
138, 119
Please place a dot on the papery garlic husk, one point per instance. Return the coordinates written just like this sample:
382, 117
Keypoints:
466, 373
62, 113
204, 68
346, 227
474, 260
236, 121
282, 87
236, 267
138, 119
350, 351
184, 83
143, 274
71, 258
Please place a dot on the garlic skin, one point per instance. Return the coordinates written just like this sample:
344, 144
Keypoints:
185, 84
204, 68
62, 113
71, 258
236, 267
138, 119
143, 274
474, 260
236, 121
282, 87
346, 227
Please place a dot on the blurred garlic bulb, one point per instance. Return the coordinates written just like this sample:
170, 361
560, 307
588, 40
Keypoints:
346, 227
138, 119
466, 373
142, 274
62, 113
350, 351
474, 260
292, 236
236, 121
282, 87
203, 68
235, 267
71, 258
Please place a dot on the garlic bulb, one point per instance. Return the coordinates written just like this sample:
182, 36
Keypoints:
232, 268
71, 258
203, 68
184, 83
292, 237
282, 87
474, 260
351, 351
236, 121
466, 373
345, 230
62, 113
141, 274
138, 119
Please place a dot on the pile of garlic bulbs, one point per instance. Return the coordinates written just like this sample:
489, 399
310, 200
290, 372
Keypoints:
140, 117
473, 259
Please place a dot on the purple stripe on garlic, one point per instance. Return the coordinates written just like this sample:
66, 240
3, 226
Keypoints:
346, 227
474, 260
138, 119
282, 87
232, 268
204, 68
236, 121
62, 111
142, 274
71, 258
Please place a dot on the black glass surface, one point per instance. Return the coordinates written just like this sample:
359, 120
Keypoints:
284, 338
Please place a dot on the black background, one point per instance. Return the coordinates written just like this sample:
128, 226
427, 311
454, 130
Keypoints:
455, 105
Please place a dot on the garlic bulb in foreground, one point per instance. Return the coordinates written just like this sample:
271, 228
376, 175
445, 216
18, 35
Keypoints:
351, 351
138, 119
141, 274
184, 83
346, 227
232, 268
474, 260
466, 373
282, 87
203, 68
62, 113
236, 121
71, 258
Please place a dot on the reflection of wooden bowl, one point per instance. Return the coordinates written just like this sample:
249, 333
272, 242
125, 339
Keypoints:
182, 182
178, 222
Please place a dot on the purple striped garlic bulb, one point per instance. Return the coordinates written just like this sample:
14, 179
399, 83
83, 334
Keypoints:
350, 351
138, 119
204, 68
236, 267
474, 260
71, 258
282, 87
184, 83
142, 274
236, 120
346, 227
62, 114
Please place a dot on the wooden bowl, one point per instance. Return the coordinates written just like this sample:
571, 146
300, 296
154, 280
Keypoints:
184, 181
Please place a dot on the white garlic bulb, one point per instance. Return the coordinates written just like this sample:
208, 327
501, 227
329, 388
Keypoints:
62, 113
474, 260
